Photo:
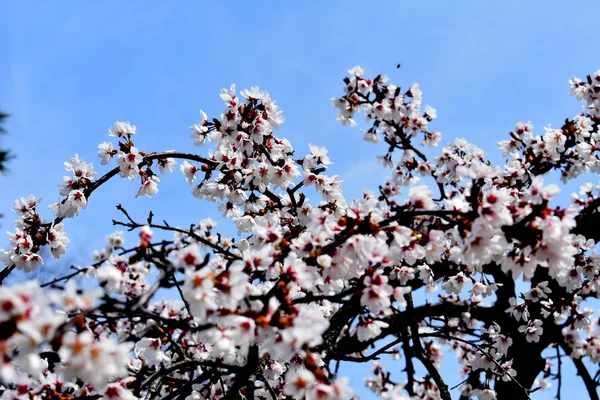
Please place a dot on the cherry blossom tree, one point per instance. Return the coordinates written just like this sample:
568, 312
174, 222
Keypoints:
451, 255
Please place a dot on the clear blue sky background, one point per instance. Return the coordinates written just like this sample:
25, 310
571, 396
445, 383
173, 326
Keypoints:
70, 69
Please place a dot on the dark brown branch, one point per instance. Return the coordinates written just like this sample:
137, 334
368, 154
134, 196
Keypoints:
410, 367
184, 365
5, 272
216, 248
588, 381
419, 353
372, 356
264, 379
559, 373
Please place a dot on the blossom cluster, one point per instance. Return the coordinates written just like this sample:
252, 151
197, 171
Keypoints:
450, 255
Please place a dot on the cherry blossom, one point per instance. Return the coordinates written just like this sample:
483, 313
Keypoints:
122, 129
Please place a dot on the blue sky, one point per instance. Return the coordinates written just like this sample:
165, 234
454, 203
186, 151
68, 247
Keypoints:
70, 69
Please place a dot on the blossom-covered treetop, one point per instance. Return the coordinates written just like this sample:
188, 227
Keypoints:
452, 254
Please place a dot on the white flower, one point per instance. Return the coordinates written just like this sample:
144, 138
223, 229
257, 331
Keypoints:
70, 299
356, 71
484, 394
80, 168
377, 292
228, 96
518, 310
24, 207
318, 156
189, 170
502, 343
116, 239
149, 186
121, 129
128, 163
540, 292
370, 329
27, 262
58, 241
106, 152
166, 164
198, 290
533, 330
110, 276
425, 274
421, 198
149, 350
284, 176
455, 284
200, 130
430, 112
507, 371
298, 381
94, 361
